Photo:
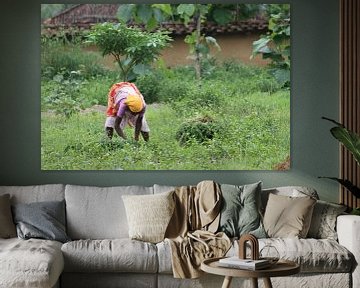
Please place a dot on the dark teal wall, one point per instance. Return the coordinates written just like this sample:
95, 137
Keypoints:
315, 65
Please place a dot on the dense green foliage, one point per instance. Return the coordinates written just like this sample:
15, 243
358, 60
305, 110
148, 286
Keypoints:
58, 56
154, 15
70, 74
275, 45
249, 123
132, 48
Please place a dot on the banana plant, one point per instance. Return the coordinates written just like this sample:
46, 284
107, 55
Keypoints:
351, 141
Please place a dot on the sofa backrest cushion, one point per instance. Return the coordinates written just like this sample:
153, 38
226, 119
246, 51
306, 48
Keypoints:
98, 212
163, 188
323, 222
288, 217
291, 191
35, 193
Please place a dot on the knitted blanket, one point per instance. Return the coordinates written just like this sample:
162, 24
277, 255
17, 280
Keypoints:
191, 232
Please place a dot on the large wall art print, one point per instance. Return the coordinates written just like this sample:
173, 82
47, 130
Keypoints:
165, 86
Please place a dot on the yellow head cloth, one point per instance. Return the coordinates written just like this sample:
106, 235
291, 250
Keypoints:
135, 103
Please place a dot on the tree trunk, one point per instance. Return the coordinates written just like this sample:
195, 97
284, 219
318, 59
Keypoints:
197, 51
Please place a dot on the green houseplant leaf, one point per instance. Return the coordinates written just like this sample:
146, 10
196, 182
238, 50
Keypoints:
348, 185
351, 141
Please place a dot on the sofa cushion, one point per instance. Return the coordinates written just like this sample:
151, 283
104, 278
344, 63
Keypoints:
291, 191
43, 220
30, 263
149, 215
109, 280
110, 255
323, 222
163, 188
240, 212
7, 226
287, 216
98, 213
164, 257
313, 255
34, 193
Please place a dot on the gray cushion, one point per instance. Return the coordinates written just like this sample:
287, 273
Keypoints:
117, 255
7, 226
30, 263
98, 212
44, 220
240, 213
323, 222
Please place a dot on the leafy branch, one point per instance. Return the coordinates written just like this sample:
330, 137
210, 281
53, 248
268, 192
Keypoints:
351, 142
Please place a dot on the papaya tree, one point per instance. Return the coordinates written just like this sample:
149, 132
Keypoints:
275, 45
133, 49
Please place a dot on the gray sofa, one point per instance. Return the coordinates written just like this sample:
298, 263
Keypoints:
101, 254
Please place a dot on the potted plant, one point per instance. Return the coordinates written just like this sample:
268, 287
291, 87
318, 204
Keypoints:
351, 141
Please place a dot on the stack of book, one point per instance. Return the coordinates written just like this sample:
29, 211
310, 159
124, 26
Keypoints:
248, 264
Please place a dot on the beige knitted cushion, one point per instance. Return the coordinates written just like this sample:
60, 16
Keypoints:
148, 215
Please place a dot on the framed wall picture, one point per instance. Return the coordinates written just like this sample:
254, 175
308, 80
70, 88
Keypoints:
165, 86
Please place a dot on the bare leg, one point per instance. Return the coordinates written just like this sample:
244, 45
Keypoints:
227, 282
109, 132
145, 135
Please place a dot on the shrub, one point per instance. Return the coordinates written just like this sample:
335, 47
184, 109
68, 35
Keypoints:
56, 57
233, 66
96, 89
65, 98
175, 90
150, 86
200, 129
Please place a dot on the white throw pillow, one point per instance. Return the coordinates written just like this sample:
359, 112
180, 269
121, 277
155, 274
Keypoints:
149, 215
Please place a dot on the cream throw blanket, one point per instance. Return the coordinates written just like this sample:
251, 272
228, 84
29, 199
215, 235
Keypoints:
191, 231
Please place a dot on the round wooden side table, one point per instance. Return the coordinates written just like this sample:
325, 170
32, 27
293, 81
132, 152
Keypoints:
281, 268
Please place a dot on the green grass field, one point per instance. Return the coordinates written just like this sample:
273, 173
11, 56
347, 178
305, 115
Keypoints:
251, 117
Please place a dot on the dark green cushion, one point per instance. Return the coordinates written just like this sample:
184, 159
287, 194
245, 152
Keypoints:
43, 220
240, 213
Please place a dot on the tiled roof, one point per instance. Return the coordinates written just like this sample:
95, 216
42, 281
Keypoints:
244, 26
83, 16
